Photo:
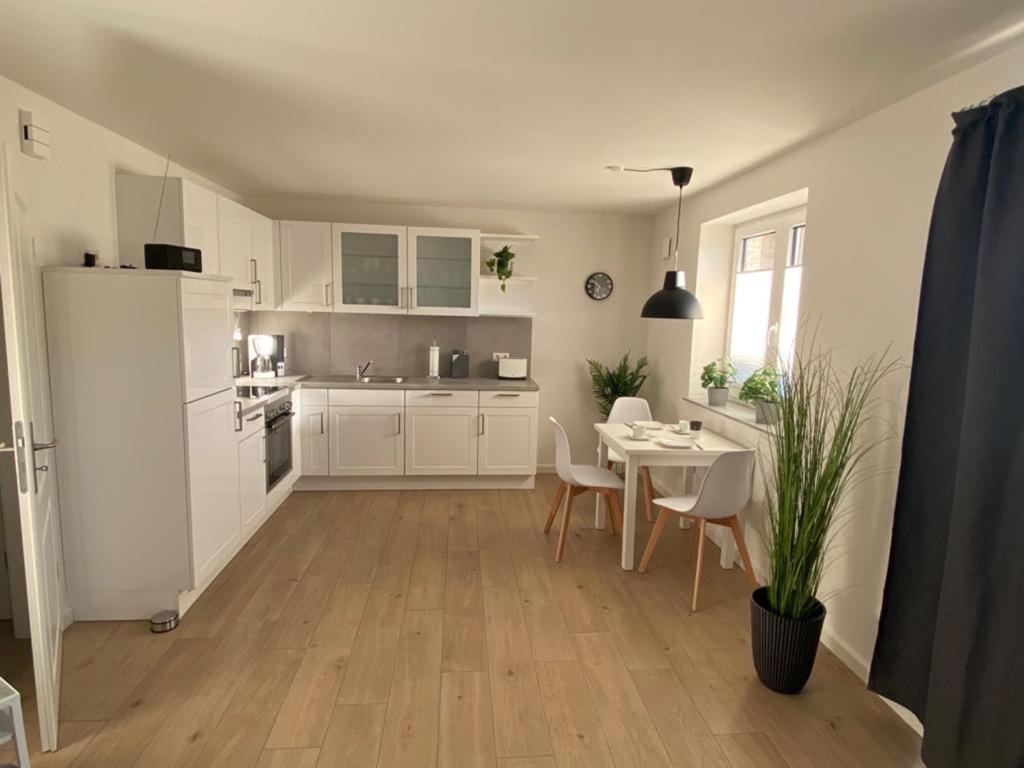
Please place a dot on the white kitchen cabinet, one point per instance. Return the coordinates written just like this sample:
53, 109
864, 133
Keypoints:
370, 272
264, 271
444, 271
441, 440
188, 216
366, 440
252, 482
205, 315
234, 228
314, 439
508, 441
212, 455
306, 272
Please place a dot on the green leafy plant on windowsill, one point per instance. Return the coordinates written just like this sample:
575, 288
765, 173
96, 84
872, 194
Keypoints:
609, 384
761, 390
501, 265
717, 374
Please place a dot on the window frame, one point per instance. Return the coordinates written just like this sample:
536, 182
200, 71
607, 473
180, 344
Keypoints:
784, 224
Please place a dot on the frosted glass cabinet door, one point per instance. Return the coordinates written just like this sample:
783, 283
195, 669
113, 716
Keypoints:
369, 268
444, 271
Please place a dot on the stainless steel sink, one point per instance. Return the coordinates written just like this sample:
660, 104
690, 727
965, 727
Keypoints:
380, 379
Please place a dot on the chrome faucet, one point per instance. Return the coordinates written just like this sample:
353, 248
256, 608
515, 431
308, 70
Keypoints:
361, 369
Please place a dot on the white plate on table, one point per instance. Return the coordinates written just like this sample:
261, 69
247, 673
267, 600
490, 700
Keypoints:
674, 442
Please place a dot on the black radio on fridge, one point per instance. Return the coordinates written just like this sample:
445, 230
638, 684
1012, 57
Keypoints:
163, 256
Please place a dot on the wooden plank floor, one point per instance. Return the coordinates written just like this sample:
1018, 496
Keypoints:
433, 628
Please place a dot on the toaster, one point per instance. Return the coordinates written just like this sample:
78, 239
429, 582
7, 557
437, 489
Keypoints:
512, 368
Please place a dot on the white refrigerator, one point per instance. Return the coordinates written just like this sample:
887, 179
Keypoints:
146, 421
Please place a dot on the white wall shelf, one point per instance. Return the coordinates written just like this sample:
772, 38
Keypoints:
495, 238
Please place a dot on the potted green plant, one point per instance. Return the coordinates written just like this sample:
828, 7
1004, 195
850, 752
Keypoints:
761, 390
609, 384
501, 265
715, 377
808, 464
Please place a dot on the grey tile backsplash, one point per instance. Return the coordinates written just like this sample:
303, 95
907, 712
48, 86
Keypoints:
323, 343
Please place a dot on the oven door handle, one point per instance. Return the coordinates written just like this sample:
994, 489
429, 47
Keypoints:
277, 420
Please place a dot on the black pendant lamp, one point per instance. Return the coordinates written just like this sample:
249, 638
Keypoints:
673, 301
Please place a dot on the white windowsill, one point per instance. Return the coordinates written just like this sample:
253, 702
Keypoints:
735, 411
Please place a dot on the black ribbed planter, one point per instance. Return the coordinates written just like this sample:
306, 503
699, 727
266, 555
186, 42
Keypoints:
784, 649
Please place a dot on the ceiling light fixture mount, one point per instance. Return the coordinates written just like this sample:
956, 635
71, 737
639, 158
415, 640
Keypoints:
673, 301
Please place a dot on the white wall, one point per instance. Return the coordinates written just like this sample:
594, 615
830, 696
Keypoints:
871, 189
569, 327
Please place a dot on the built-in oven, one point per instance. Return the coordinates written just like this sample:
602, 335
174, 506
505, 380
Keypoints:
279, 440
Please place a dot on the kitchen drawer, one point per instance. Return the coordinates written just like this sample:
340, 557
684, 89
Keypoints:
252, 423
450, 398
313, 396
391, 397
506, 399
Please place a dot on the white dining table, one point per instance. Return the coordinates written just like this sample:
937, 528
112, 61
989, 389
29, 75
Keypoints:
647, 452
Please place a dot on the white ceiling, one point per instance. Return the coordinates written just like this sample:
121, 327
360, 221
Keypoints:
480, 102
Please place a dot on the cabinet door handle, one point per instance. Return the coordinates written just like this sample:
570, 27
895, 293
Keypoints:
252, 270
398, 418
483, 423
508, 394
327, 294
321, 422
264, 449
412, 297
253, 418
238, 416
441, 394
259, 291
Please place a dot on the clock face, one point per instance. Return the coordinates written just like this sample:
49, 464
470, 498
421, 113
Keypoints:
599, 286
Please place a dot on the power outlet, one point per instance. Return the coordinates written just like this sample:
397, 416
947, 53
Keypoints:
496, 356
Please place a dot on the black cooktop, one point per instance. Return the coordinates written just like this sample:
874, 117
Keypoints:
254, 392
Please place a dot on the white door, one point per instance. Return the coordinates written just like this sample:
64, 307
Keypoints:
36, 461
366, 440
508, 441
252, 482
212, 425
206, 325
313, 434
441, 441
306, 281
444, 271
370, 269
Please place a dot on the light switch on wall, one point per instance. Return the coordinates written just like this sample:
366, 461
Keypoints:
35, 134
495, 356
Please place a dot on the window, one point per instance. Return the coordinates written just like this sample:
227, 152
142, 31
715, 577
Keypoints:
765, 306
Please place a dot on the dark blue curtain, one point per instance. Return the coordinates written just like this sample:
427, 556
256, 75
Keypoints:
951, 635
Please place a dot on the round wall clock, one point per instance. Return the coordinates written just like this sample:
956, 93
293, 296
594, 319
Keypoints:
599, 286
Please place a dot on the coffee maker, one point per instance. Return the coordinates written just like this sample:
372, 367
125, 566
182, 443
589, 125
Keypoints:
267, 355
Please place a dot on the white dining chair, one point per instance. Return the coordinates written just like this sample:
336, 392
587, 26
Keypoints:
12, 723
628, 409
724, 493
577, 479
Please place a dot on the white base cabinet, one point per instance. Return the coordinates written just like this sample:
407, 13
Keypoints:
441, 440
313, 434
252, 482
366, 440
508, 441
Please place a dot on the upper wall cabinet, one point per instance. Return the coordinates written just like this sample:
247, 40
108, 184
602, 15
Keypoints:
246, 254
306, 277
444, 271
370, 269
188, 216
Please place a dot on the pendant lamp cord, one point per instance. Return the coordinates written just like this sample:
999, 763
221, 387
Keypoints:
679, 209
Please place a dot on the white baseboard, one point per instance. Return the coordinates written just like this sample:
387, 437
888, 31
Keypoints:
412, 482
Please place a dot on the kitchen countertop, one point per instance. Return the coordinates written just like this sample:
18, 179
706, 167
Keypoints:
421, 382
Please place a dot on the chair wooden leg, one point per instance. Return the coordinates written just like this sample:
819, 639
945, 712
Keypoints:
700, 561
554, 505
659, 525
610, 504
741, 545
694, 537
617, 508
645, 477
570, 492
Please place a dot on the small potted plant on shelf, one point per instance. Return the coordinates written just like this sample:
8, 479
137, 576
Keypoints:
715, 377
609, 384
808, 464
501, 265
761, 390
